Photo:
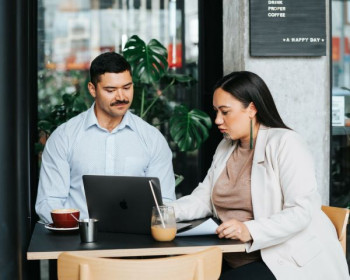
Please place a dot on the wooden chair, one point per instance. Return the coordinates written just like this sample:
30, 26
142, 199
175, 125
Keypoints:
203, 265
339, 218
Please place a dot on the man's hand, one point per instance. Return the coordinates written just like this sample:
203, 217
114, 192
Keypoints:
234, 229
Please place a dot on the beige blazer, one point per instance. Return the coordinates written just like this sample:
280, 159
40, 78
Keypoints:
296, 239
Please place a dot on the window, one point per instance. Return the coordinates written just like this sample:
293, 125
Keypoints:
73, 32
340, 141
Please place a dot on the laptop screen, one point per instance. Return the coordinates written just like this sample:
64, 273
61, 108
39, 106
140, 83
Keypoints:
121, 203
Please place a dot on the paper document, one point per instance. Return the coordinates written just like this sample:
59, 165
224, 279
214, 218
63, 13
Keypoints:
205, 228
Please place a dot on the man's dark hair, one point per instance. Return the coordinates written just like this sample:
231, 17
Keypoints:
109, 62
248, 87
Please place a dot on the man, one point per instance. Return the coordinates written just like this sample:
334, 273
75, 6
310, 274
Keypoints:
106, 139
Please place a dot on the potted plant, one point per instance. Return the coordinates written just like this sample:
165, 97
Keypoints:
154, 85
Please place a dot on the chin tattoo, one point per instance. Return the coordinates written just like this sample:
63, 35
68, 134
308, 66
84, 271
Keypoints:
226, 136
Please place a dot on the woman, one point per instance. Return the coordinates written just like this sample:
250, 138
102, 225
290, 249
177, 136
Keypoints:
262, 186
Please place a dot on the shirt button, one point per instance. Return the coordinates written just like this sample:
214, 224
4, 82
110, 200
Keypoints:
280, 262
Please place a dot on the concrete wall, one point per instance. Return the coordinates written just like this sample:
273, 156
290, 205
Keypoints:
299, 85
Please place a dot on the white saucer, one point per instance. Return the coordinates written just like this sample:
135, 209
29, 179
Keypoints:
53, 228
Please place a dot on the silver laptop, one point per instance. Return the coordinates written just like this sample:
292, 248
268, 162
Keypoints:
122, 204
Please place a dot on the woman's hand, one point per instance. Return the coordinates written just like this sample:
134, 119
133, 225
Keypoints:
234, 229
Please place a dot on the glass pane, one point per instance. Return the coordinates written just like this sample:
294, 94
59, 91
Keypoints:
340, 164
73, 32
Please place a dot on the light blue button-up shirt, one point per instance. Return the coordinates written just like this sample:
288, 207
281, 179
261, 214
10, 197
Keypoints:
82, 147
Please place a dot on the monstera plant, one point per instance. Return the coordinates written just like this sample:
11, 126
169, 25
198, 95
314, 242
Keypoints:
155, 97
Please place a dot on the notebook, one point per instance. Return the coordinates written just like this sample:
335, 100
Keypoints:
122, 204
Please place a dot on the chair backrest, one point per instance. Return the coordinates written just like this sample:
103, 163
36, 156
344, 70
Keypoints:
339, 218
203, 265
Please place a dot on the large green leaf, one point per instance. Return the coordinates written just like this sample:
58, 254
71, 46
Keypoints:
178, 78
149, 62
189, 129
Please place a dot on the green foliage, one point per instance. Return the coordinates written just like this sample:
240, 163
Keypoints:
72, 105
149, 62
155, 94
62, 95
189, 128
53, 84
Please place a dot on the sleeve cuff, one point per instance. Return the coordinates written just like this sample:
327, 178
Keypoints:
254, 244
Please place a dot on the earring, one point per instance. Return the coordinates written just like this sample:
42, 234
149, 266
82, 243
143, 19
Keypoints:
251, 134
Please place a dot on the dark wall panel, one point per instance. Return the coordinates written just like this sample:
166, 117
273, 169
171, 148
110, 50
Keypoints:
16, 142
210, 70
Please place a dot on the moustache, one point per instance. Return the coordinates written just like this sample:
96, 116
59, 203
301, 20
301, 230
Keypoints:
117, 102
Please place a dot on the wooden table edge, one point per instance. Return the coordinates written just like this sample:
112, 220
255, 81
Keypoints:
136, 252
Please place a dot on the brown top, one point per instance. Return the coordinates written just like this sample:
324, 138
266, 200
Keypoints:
232, 196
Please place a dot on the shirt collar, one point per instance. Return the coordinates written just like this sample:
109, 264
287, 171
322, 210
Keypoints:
92, 120
126, 122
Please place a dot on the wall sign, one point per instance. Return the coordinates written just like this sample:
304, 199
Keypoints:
287, 28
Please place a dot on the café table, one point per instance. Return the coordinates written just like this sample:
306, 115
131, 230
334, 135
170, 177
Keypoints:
46, 244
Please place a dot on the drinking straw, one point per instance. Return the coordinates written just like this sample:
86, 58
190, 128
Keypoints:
155, 200
75, 218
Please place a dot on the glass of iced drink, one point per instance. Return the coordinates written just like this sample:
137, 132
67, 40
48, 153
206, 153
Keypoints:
163, 224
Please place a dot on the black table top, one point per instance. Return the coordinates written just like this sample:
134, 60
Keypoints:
46, 244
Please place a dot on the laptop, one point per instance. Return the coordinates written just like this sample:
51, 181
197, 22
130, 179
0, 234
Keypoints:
122, 204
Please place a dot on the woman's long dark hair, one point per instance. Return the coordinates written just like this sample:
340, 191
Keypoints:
248, 87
